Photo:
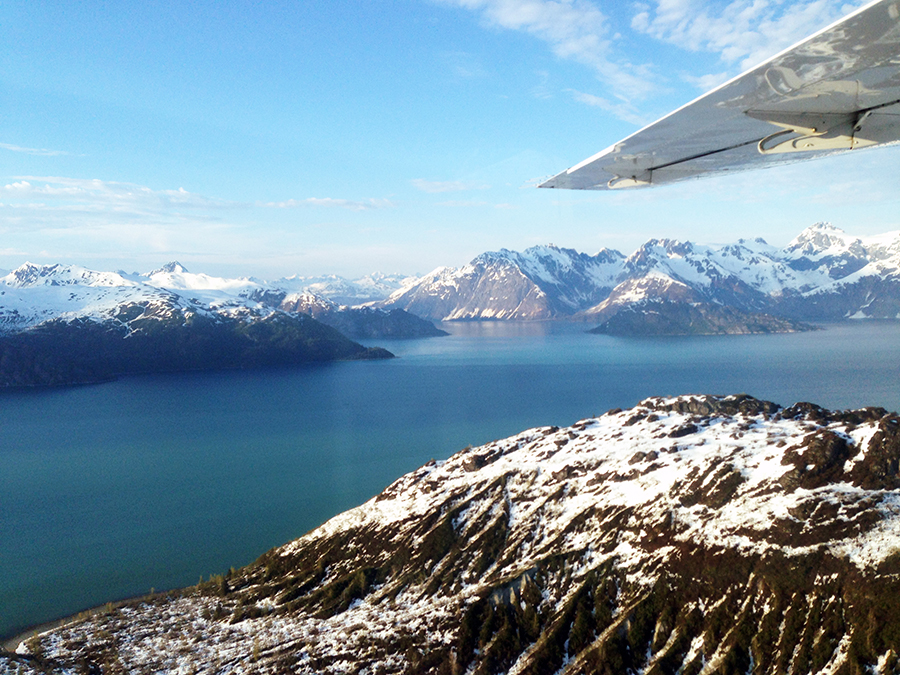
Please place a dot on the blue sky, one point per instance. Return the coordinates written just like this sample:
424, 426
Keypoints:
319, 137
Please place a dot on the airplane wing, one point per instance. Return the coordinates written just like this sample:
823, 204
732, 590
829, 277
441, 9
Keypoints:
836, 91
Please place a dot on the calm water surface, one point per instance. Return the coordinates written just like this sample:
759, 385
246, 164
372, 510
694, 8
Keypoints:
108, 491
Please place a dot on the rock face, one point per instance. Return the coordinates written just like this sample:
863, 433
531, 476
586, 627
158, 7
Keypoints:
695, 534
822, 275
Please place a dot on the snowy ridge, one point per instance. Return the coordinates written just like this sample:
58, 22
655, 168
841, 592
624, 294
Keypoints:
307, 302
683, 535
824, 240
751, 276
616, 462
33, 294
702, 266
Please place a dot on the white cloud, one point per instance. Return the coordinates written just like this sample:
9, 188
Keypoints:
742, 32
99, 195
464, 65
329, 202
435, 186
476, 204
33, 151
59, 218
106, 194
623, 111
574, 29
542, 89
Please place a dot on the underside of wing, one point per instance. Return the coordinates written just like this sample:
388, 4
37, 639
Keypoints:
836, 91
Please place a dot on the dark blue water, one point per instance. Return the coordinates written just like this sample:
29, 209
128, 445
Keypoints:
107, 491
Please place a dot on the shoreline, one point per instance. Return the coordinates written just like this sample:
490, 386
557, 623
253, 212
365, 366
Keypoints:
10, 644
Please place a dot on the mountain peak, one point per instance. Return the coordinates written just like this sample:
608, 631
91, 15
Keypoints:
28, 273
817, 238
173, 267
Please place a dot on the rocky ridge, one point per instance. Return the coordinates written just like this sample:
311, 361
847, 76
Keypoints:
694, 534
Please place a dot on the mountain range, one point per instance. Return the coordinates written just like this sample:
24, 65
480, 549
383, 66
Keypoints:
694, 534
64, 323
824, 274
34, 294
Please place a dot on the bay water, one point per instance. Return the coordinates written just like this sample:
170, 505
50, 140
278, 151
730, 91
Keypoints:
111, 490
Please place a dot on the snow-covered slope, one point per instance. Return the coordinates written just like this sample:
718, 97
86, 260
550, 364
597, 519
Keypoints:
543, 282
33, 294
822, 274
487, 288
693, 534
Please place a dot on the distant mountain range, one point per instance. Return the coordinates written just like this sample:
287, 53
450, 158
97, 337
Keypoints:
341, 291
33, 294
694, 534
172, 319
822, 275
62, 324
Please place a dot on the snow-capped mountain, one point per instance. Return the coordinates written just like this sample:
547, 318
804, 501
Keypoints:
543, 282
66, 324
307, 302
342, 291
34, 294
829, 247
694, 534
823, 274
